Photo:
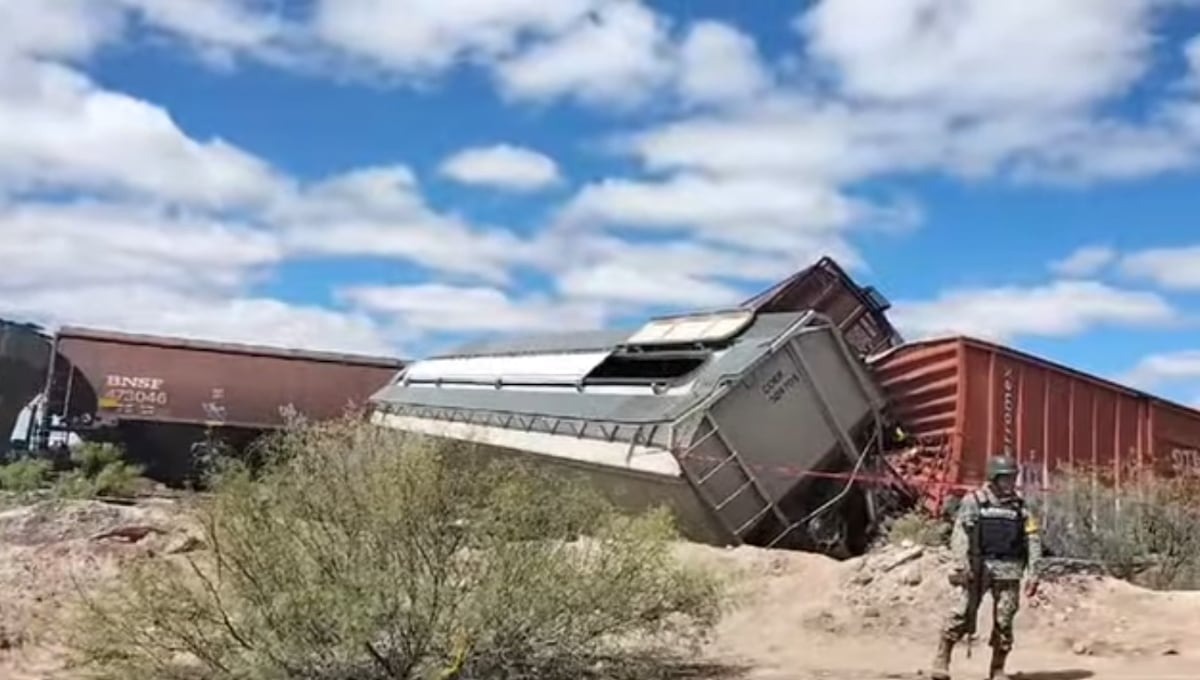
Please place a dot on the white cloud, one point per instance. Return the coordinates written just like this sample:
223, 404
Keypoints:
418, 37
227, 25
139, 269
504, 166
88, 243
1085, 261
616, 57
719, 63
754, 212
1173, 268
683, 273
150, 309
438, 307
1059, 309
379, 212
58, 130
977, 55
59, 29
1159, 369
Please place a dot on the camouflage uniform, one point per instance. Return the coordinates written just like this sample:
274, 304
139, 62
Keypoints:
1001, 575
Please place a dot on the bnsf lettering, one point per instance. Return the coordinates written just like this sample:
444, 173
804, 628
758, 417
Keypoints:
133, 383
134, 394
1185, 460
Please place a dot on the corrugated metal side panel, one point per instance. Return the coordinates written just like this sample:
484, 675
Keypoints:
181, 385
1046, 416
923, 385
1176, 440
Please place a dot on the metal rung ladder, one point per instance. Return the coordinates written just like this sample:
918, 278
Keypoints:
751, 483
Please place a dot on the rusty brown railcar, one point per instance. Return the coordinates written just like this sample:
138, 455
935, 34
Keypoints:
962, 399
159, 395
859, 312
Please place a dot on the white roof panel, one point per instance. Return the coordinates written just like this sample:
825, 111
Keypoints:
564, 368
697, 328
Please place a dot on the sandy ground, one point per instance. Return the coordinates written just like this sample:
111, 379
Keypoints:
799, 616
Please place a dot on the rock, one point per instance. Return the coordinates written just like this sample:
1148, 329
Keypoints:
862, 579
183, 544
901, 559
1170, 650
870, 613
1081, 649
911, 576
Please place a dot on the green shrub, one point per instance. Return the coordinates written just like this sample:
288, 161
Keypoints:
357, 552
23, 476
99, 469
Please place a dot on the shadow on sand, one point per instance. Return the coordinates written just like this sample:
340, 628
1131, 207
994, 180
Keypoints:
1074, 674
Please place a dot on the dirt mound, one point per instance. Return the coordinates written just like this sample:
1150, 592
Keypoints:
53, 551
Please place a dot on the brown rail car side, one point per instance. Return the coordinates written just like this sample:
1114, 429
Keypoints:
157, 395
963, 399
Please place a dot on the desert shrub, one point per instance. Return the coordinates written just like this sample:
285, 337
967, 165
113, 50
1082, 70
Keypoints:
358, 552
99, 469
1147, 529
23, 476
918, 527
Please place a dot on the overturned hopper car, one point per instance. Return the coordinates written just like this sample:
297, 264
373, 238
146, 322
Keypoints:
859, 312
160, 396
24, 358
962, 399
753, 428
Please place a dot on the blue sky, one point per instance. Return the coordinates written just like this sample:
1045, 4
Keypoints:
401, 176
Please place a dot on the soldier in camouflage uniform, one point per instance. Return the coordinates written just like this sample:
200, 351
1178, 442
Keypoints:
993, 524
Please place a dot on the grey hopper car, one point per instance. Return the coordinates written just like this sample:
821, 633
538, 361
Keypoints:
753, 428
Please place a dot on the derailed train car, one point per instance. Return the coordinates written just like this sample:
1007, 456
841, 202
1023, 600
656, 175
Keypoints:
859, 312
753, 428
24, 358
160, 397
962, 399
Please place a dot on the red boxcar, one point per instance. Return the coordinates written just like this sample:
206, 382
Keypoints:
963, 399
158, 395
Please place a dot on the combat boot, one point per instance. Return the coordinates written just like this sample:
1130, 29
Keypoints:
941, 662
997, 665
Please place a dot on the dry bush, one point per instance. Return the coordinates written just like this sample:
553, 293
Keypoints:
362, 553
919, 527
1147, 529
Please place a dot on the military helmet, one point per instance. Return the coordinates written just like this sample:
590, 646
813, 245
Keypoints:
1001, 465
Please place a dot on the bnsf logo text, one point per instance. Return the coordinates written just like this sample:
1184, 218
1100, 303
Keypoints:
133, 383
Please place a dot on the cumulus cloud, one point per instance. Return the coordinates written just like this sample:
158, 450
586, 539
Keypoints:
1157, 370
440, 307
719, 64
147, 308
420, 37
1085, 261
1058, 309
380, 212
1172, 268
503, 166
617, 56
58, 129
976, 55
